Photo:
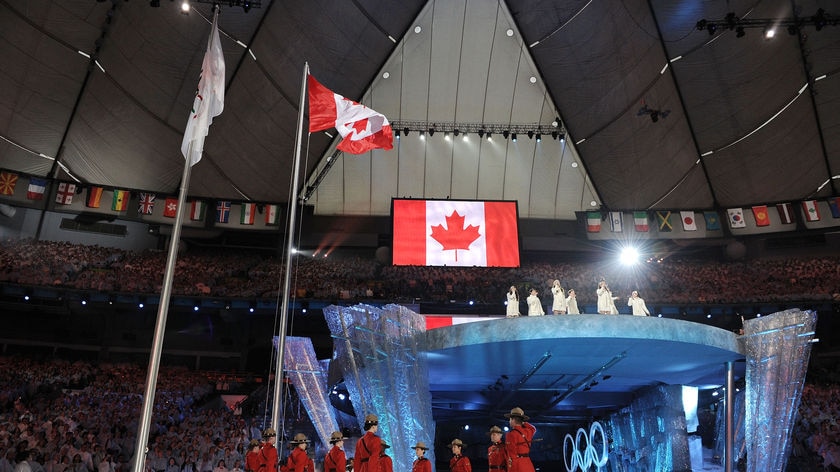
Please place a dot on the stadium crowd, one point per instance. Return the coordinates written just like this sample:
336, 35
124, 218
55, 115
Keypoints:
59, 416
246, 274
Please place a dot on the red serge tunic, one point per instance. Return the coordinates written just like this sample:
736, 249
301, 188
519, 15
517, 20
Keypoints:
368, 448
518, 447
268, 458
335, 460
460, 464
497, 457
422, 464
298, 461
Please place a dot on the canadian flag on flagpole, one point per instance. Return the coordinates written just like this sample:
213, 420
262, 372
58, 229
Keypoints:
455, 233
363, 129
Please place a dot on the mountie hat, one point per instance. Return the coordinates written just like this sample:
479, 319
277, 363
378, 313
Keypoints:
385, 445
299, 438
516, 413
371, 419
420, 445
254, 443
494, 429
336, 436
456, 442
269, 432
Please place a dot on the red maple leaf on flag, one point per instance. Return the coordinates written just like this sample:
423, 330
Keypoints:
455, 236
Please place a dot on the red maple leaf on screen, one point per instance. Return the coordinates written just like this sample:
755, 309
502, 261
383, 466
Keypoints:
455, 236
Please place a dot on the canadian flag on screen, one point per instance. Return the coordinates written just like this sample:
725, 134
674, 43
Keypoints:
363, 129
455, 233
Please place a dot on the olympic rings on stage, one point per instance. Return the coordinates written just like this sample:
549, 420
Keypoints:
588, 456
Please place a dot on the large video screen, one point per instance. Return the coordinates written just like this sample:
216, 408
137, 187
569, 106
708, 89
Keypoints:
455, 233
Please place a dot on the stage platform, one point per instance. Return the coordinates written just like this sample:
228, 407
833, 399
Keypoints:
570, 368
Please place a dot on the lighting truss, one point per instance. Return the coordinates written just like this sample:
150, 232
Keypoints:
496, 129
794, 25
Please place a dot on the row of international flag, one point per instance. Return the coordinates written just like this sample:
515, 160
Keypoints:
665, 220
146, 201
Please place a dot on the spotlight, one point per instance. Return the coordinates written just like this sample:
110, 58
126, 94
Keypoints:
506, 133
769, 32
513, 137
739, 32
531, 134
246, 6
701, 25
554, 134
539, 137
712, 29
397, 133
185, 7
431, 131
629, 256
489, 135
481, 133
406, 130
456, 132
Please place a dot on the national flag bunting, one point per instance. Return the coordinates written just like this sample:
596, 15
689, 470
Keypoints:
736, 218
640, 220
147, 203
593, 221
209, 98
8, 180
271, 218
37, 187
762, 218
170, 207
616, 221
455, 233
222, 212
94, 197
64, 193
120, 200
663, 218
811, 210
246, 214
363, 129
197, 209
834, 206
688, 221
785, 213
712, 220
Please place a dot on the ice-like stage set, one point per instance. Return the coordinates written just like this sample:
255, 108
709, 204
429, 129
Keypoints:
627, 373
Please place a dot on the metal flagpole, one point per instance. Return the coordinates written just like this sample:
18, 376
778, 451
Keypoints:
284, 307
166, 292
160, 326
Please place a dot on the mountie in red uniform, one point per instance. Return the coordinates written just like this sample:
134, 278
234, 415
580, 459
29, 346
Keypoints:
268, 453
368, 447
497, 457
335, 460
422, 463
518, 442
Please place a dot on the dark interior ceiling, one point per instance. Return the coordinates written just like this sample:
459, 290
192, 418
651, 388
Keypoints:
99, 91
739, 120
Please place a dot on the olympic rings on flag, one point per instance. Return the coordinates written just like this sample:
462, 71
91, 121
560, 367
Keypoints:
585, 457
